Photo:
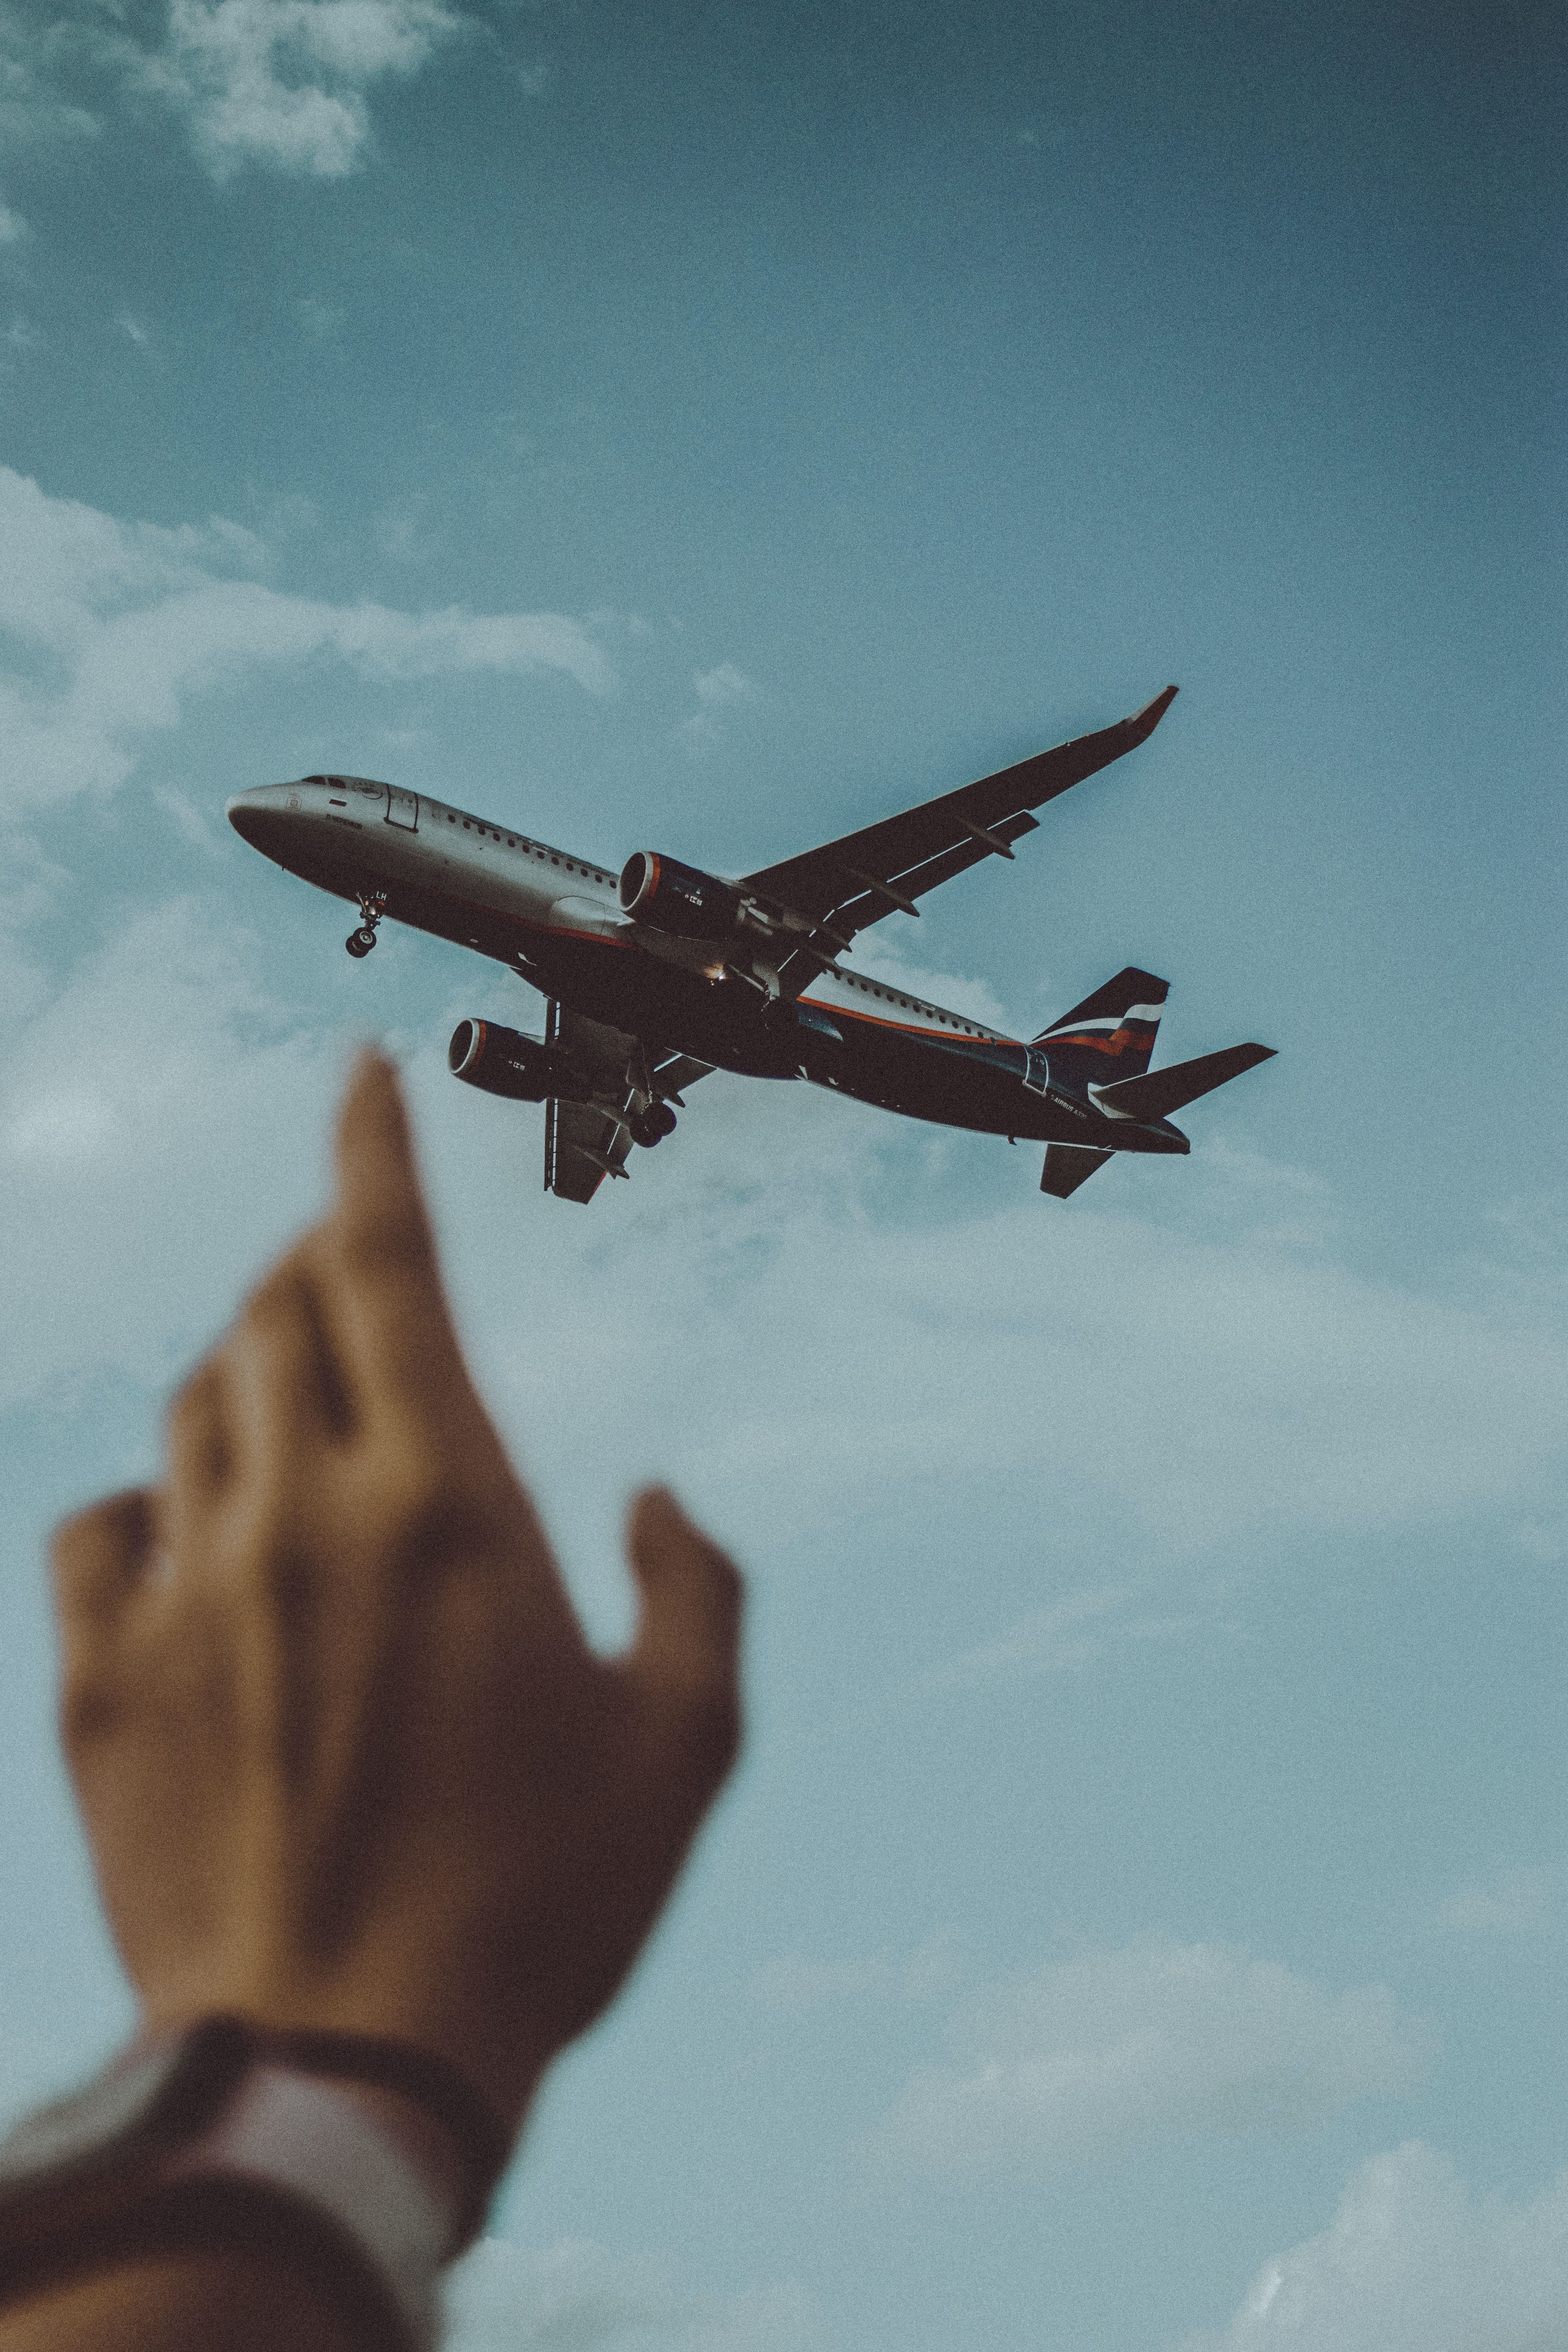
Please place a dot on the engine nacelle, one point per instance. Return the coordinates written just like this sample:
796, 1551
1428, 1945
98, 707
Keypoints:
677, 899
504, 1062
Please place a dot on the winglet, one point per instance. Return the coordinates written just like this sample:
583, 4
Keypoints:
1142, 725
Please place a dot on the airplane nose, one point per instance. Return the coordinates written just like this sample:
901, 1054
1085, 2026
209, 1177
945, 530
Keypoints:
243, 815
258, 819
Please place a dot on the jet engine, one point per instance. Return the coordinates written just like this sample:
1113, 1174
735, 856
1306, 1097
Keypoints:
504, 1062
678, 898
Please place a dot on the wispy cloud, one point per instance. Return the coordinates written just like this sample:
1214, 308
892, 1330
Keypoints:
578, 2296
720, 689
1063, 1638
1516, 1902
32, 107
1413, 2262
1077, 2064
114, 626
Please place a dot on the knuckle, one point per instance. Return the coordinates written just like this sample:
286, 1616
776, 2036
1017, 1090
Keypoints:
279, 1299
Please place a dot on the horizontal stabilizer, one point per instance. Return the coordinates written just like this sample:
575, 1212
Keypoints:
1069, 1165
1158, 1093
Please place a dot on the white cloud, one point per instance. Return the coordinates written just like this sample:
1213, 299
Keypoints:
1083, 2060
132, 1083
501, 2299
13, 227
716, 688
1413, 2262
283, 82
187, 817
114, 626
1062, 1638
1518, 1902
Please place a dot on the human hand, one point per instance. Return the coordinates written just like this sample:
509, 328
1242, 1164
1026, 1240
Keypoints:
345, 1757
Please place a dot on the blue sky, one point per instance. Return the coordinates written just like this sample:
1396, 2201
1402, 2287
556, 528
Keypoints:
1140, 1923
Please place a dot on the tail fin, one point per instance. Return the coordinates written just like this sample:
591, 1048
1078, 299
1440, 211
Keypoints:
1069, 1165
1110, 1035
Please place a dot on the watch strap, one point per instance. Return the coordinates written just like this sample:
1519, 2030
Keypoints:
481, 2139
250, 2141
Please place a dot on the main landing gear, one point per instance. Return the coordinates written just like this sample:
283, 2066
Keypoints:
651, 1126
371, 907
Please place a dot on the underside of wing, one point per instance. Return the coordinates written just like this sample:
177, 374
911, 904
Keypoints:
848, 884
588, 1140
676, 1073
583, 1145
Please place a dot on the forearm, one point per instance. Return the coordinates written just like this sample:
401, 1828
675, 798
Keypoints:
198, 2303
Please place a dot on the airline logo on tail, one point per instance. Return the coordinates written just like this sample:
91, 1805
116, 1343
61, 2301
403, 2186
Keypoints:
1111, 1033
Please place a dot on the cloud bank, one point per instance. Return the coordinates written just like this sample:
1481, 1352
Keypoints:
1082, 2061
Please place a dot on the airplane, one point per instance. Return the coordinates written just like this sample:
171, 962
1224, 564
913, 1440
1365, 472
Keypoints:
657, 975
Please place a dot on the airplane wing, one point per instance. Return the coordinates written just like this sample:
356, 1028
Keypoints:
583, 1145
854, 882
585, 1142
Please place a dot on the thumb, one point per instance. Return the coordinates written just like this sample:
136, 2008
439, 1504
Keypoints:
685, 1659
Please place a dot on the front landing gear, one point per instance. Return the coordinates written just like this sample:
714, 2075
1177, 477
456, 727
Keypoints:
371, 907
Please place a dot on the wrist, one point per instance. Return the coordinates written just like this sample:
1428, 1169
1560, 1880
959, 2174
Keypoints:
361, 2165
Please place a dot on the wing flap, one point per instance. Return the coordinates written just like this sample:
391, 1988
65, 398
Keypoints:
585, 1142
583, 1145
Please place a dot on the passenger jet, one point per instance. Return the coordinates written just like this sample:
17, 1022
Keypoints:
657, 975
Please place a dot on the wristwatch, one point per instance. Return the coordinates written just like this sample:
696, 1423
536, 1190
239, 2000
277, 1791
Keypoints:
235, 2137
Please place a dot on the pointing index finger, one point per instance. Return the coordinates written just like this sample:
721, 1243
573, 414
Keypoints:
382, 1283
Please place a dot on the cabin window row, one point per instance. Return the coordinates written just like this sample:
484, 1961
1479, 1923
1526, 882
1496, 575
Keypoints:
471, 824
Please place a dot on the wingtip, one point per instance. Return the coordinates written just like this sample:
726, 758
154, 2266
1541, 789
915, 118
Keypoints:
1148, 717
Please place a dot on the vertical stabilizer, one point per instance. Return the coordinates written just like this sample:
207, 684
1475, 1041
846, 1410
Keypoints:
1110, 1035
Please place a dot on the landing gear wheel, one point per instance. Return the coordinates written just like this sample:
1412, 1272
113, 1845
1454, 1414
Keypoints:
651, 1126
371, 907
